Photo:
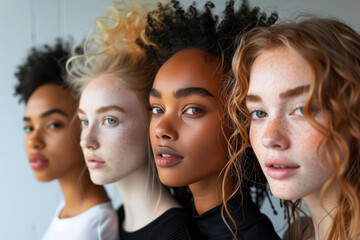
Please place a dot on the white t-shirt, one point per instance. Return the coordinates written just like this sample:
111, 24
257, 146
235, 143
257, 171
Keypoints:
98, 223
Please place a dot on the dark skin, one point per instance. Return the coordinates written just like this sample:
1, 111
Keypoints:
186, 109
52, 146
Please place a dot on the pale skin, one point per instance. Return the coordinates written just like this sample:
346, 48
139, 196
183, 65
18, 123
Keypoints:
115, 135
283, 141
47, 123
186, 110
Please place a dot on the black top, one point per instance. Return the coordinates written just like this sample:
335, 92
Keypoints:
251, 223
174, 224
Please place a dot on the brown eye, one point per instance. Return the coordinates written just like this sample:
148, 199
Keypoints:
193, 111
28, 129
156, 110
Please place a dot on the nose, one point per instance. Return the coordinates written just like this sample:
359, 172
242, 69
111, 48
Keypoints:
165, 128
276, 134
36, 140
89, 138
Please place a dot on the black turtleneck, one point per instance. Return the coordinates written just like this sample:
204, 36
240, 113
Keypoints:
251, 223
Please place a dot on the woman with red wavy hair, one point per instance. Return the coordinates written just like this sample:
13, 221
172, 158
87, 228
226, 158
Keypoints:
298, 89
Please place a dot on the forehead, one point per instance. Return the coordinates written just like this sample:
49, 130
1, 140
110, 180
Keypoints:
278, 69
189, 68
50, 96
106, 90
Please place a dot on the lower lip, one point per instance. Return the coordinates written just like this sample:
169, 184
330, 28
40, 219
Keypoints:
37, 165
95, 164
281, 173
167, 161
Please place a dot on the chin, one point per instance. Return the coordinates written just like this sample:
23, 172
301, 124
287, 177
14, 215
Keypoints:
285, 194
44, 177
172, 181
99, 179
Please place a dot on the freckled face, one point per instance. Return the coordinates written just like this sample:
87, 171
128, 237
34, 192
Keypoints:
115, 131
52, 139
283, 141
185, 128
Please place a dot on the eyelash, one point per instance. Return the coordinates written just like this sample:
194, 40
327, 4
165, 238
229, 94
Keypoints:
266, 115
154, 112
157, 110
106, 122
200, 111
54, 125
28, 129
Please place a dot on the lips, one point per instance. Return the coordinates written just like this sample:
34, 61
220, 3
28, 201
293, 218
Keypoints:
281, 169
37, 161
94, 162
166, 157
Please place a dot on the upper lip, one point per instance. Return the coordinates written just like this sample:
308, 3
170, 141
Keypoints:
93, 157
36, 156
280, 162
166, 150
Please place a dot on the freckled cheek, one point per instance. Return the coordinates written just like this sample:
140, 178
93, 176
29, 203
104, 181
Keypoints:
255, 140
309, 139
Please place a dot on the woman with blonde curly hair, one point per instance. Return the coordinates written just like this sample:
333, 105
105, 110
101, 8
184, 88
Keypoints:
297, 89
114, 78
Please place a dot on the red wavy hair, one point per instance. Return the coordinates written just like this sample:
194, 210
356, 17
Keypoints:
333, 51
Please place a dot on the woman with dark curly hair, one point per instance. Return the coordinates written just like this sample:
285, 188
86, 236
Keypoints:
189, 127
52, 146
298, 87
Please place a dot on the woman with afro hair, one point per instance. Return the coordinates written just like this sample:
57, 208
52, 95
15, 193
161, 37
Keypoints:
189, 127
52, 146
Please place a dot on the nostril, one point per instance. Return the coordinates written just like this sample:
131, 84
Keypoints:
166, 137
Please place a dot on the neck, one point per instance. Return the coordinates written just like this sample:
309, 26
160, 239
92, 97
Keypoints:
321, 212
80, 193
144, 199
207, 193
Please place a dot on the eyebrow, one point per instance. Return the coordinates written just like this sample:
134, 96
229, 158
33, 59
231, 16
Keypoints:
155, 93
104, 109
185, 92
294, 92
48, 113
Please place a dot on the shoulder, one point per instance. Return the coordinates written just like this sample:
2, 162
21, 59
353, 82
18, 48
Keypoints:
103, 221
98, 222
175, 223
251, 223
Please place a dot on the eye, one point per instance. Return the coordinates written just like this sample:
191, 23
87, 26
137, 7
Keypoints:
258, 114
55, 125
193, 111
110, 121
84, 123
156, 110
299, 111
28, 129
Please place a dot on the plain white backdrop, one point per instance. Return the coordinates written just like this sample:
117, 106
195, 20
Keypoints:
27, 206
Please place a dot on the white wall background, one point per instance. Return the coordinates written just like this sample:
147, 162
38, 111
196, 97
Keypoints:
27, 206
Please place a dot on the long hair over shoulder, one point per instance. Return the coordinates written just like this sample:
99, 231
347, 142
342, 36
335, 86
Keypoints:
333, 51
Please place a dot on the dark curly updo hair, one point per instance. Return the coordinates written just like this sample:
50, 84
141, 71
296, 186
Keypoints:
43, 65
171, 29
